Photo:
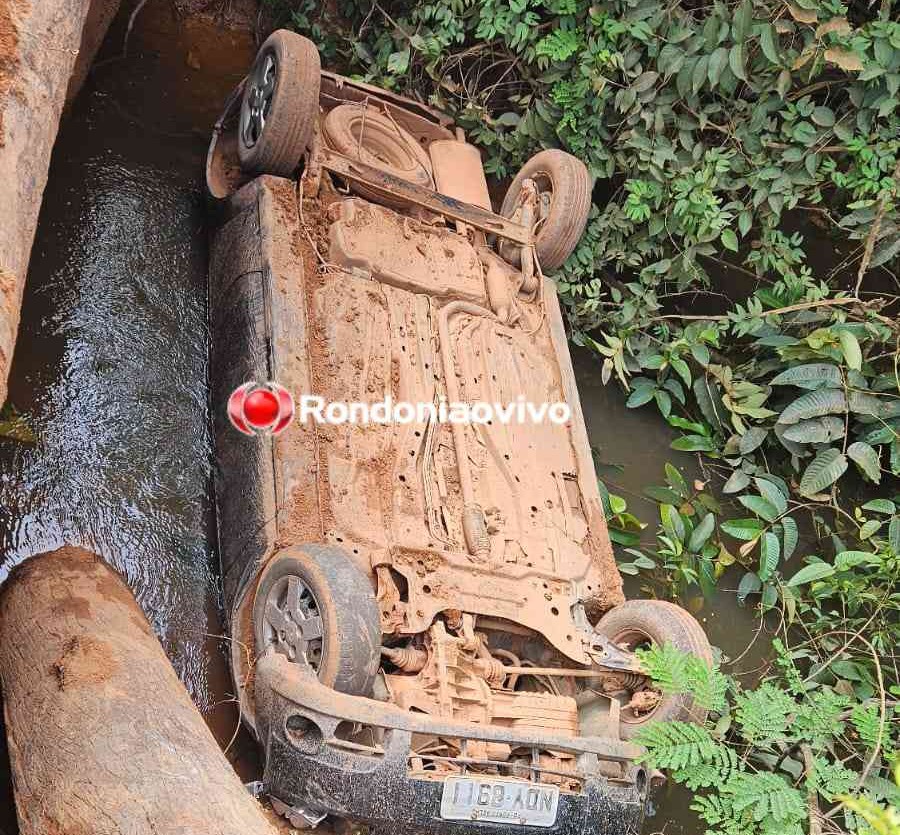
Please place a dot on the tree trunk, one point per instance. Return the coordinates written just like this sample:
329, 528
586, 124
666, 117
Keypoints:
103, 737
39, 43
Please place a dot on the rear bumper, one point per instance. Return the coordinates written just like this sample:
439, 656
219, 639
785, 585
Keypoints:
314, 771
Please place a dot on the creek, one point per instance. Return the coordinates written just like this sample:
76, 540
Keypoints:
111, 364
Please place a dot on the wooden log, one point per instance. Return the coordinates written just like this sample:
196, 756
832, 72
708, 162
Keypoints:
103, 737
39, 44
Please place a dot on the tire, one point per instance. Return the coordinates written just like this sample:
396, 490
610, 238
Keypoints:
372, 137
334, 589
568, 182
638, 622
284, 85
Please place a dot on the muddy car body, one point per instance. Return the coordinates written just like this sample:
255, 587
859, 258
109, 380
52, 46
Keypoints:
429, 631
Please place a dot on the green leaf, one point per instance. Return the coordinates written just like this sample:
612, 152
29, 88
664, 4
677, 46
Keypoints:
767, 42
851, 349
846, 560
782, 85
700, 353
885, 506
672, 522
862, 403
752, 439
823, 116
737, 481
398, 62
867, 459
750, 584
814, 404
663, 402
701, 533
693, 443
790, 536
744, 529
663, 495
717, 62
639, 397
811, 376
816, 430
769, 555
676, 481
894, 535
644, 81
743, 21
682, 369
811, 573
700, 74
760, 507
736, 61
772, 494
729, 240
826, 468
708, 399
869, 529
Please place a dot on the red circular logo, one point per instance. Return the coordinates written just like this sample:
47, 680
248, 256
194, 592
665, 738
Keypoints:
255, 408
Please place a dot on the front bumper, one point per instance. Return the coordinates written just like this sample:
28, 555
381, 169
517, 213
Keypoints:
308, 767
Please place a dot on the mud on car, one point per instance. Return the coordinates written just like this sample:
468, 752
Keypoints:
429, 631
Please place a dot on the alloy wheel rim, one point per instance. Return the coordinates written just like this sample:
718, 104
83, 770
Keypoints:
258, 101
292, 622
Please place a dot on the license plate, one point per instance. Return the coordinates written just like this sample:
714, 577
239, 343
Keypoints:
506, 801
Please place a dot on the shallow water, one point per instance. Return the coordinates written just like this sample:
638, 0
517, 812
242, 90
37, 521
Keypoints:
110, 366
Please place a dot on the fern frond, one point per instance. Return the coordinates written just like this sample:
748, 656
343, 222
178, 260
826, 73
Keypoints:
789, 671
830, 779
676, 745
866, 720
708, 685
768, 798
819, 719
675, 671
718, 812
720, 764
764, 714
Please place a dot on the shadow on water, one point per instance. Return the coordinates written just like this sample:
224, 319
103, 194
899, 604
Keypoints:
111, 362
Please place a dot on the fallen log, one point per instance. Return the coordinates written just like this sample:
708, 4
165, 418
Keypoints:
103, 737
40, 41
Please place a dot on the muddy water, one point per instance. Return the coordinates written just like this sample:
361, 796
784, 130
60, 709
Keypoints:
110, 365
635, 444
110, 368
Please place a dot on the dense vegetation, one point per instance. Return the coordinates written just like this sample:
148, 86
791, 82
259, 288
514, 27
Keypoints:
786, 757
737, 274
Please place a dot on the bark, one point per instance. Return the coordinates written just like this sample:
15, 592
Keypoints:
103, 737
39, 43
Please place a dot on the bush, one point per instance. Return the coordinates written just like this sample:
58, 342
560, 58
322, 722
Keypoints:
709, 122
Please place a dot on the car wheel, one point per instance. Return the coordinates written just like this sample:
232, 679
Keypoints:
564, 188
316, 606
280, 105
641, 623
372, 137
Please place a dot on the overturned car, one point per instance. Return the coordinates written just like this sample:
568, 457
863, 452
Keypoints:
429, 631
